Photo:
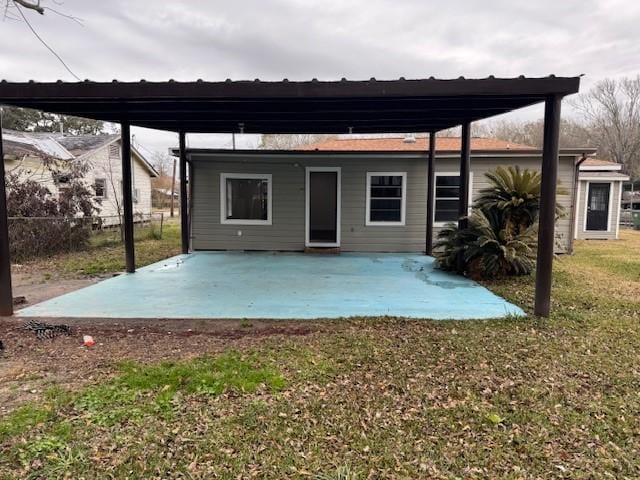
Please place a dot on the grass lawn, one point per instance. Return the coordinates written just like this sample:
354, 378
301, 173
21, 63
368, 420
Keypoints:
363, 398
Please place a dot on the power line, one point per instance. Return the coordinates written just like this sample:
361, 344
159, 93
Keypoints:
44, 43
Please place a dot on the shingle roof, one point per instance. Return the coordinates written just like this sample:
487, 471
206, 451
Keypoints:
399, 144
34, 143
80, 144
597, 162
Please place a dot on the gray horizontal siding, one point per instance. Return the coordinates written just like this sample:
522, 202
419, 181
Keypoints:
288, 173
584, 234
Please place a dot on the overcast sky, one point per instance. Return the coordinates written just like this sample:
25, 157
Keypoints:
328, 39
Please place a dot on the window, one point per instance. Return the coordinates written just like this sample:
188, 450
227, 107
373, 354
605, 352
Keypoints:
245, 198
386, 198
100, 187
447, 197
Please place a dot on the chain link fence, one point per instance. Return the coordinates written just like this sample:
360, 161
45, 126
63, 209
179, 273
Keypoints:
40, 237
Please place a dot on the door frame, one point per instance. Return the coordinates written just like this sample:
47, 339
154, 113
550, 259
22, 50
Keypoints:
586, 206
308, 170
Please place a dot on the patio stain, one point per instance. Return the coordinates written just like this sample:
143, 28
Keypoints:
282, 286
421, 273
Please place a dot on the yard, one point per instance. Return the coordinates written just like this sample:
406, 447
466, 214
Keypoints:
364, 398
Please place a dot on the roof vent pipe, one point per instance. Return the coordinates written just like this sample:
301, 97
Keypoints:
409, 138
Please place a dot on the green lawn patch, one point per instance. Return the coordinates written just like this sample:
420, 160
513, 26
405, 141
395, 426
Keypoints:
516, 398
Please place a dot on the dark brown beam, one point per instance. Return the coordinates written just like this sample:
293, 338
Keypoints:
296, 90
184, 206
6, 291
127, 197
547, 218
465, 168
431, 166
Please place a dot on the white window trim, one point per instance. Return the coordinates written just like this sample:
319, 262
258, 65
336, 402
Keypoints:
223, 198
403, 204
435, 182
586, 206
104, 190
308, 170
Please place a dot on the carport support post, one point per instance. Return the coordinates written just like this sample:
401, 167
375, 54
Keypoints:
184, 207
431, 166
6, 292
127, 197
465, 166
547, 217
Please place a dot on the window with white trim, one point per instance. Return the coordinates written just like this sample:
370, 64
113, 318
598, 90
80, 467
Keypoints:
386, 198
245, 198
447, 197
100, 187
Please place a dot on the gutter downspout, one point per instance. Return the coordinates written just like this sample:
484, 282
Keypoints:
574, 210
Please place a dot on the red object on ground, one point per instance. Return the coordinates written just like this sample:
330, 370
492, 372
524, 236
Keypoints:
88, 341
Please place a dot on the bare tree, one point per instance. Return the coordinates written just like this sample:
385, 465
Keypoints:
612, 110
13, 10
290, 141
572, 133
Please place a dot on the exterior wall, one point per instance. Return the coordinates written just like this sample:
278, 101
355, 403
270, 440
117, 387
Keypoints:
110, 168
287, 231
31, 168
581, 232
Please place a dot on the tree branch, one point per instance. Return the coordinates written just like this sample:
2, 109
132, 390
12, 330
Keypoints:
33, 6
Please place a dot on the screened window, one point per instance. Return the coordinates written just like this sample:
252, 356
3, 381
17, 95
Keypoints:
100, 187
447, 197
386, 198
245, 198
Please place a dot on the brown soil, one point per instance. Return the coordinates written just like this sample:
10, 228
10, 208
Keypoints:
28, 366
36, 284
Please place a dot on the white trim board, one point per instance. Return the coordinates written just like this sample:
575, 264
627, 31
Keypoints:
223, 198
586, 206
403, 203
308, 170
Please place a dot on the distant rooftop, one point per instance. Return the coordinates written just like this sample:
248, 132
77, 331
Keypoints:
412, 144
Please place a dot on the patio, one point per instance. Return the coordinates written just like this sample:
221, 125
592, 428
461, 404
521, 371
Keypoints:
235, 285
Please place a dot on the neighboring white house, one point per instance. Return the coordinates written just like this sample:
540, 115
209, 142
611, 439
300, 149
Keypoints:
25, 152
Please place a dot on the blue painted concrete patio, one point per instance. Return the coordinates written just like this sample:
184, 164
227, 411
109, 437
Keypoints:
282, 286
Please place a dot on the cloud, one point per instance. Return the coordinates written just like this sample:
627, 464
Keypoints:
330, 39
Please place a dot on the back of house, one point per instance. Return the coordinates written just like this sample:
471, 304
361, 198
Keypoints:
352, 194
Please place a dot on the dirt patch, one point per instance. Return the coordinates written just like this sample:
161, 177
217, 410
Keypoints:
29, 366
37, 284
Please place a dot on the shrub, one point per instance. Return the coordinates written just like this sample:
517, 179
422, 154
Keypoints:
43, 224
501, 236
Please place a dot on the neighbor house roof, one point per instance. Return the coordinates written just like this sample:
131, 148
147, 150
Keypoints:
81, 144
599, 164
55, 145
34, 143
413, 144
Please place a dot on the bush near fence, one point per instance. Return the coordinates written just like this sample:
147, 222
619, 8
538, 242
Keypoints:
40, 237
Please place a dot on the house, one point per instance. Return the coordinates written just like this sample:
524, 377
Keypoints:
599, 200
27, 153
357, 194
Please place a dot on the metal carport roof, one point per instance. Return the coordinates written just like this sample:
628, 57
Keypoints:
371, 106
